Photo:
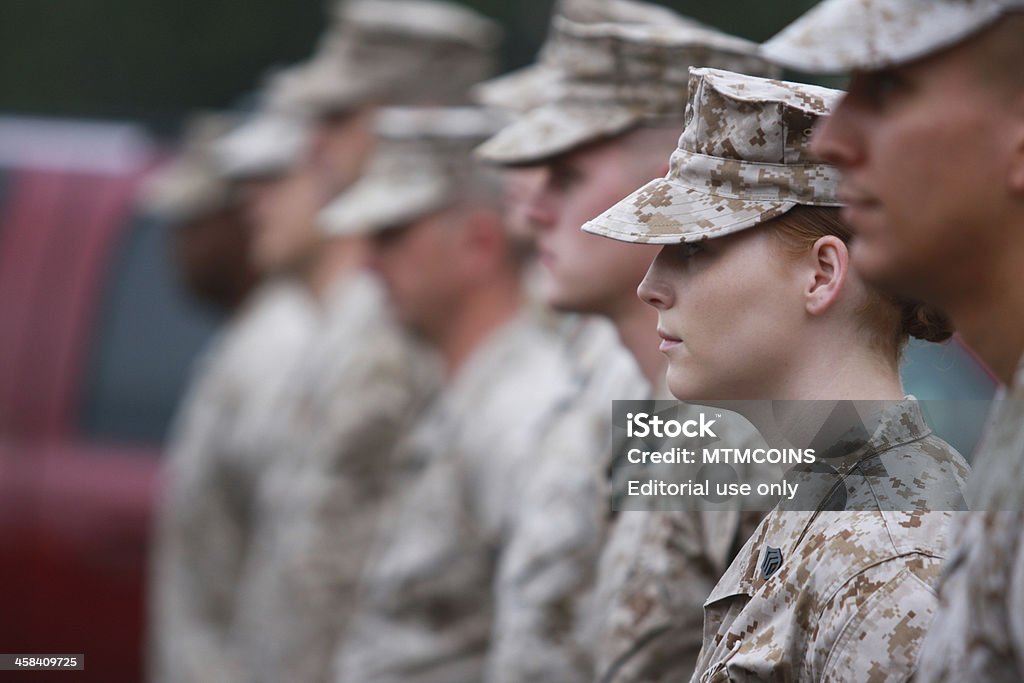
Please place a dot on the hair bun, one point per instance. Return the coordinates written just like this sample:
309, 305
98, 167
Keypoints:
925, 322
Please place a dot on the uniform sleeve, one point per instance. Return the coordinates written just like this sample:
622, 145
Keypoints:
653, 628
425, 603
320, 503
197, 551
547, 567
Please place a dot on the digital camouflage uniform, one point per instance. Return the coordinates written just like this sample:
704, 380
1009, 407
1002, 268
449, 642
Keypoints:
361, 382
659, 565
358, 387
426, 605
844, 593
205, 521
547, 572
790, 604
655, 573
569, 586
978, 631
425, 611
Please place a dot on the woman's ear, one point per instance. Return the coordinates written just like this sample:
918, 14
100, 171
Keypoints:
830, 264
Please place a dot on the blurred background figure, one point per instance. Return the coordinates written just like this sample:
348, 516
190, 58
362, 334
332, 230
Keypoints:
587, 593
216, 457
453, 275
211, 236
361, 381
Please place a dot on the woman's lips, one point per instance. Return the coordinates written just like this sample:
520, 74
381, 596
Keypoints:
667, 340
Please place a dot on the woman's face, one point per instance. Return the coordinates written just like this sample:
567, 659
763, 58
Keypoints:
730, 315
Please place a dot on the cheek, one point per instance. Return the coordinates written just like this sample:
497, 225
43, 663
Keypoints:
740, 315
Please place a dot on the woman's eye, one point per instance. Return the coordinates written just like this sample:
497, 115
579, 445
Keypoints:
691, 249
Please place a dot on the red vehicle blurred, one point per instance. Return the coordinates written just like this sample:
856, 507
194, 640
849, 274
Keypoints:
96, 343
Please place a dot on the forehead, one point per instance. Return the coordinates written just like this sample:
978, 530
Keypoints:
966, 66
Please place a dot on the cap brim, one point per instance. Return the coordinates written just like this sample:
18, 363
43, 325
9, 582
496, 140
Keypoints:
554, 129
667, 212
266, 145
373, 205
839, 36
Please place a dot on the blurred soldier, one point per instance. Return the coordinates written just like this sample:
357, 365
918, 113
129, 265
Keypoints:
756, 301
386, 52
361, 383
929, 141
611, 99
205, 522
211, 237
452, 273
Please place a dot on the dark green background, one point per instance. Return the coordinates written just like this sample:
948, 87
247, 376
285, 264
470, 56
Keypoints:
155, 59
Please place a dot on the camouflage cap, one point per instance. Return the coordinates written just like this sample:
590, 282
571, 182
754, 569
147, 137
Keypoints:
191, 184
397, 52
272, 140
530, 87
268, 144
844, 35
614, 77
423, 161
743, 158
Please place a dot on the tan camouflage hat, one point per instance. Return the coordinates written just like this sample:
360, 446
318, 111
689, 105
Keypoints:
614, 77
191, 184
271, 140
268, 144
422, 162
743, 158
397, 52
845, 35
530, 87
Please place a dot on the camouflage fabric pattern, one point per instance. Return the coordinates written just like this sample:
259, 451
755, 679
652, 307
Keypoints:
427, 602
546, 574
841, 593
743, 158
655, 572
422, 162
359, 385
530, 87
397, 52
845, 35
614, 77
978, 631
205, 524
